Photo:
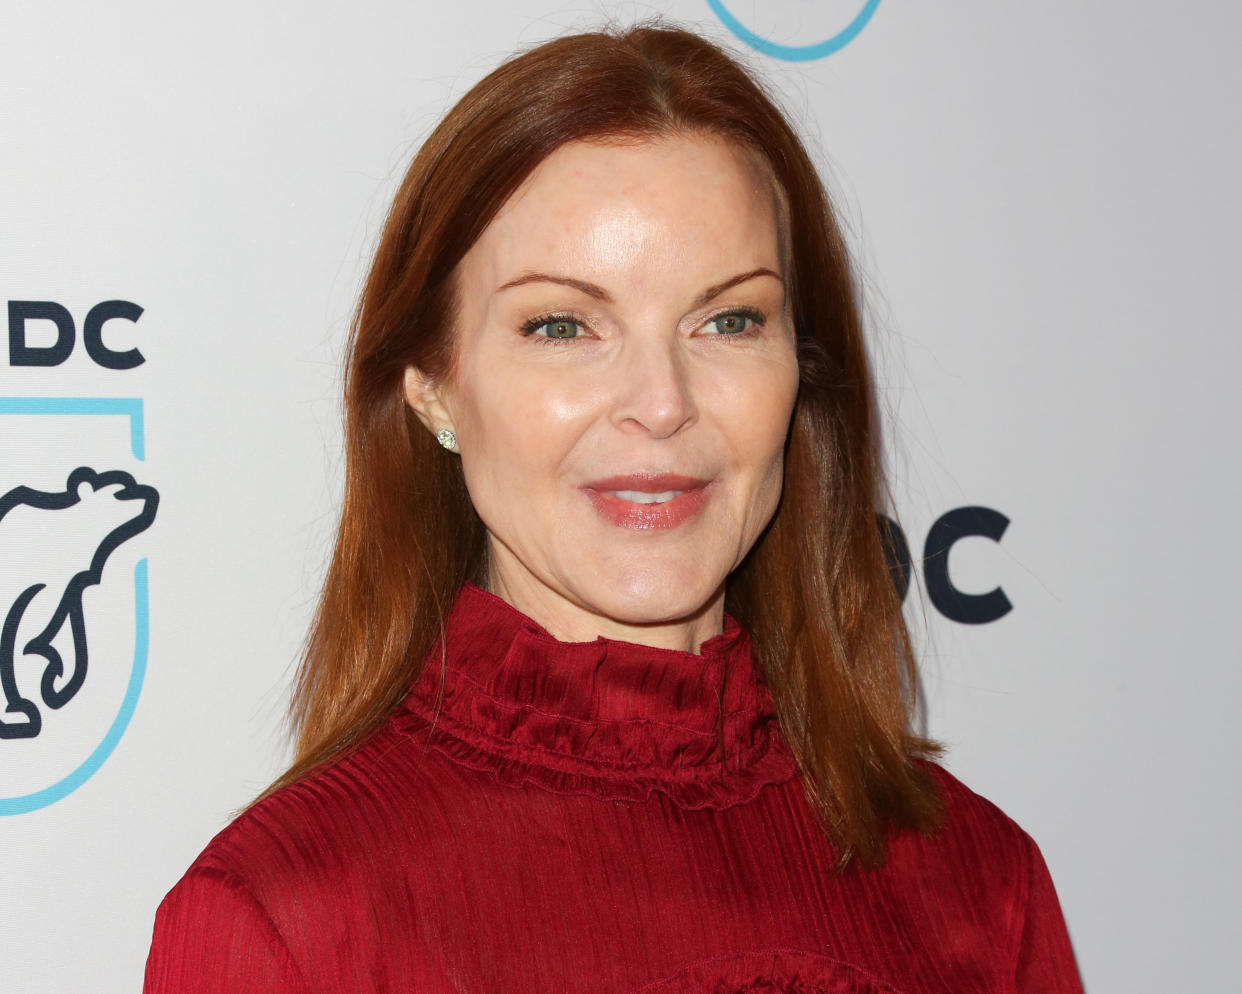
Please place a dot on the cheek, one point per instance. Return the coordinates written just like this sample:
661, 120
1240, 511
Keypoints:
759, 426
517, 432
756, 416
768, 462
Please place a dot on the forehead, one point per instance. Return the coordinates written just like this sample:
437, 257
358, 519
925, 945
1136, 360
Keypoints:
696, 202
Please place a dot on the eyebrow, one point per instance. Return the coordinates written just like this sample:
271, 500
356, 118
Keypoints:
599, 293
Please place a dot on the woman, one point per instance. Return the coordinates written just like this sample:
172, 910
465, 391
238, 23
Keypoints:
609, 687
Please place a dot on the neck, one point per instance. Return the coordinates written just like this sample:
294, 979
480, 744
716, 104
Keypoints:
567, 618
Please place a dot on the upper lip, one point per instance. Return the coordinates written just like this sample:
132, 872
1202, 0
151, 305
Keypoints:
648, 483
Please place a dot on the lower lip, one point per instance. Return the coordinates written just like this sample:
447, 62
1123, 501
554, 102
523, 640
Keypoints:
648, 517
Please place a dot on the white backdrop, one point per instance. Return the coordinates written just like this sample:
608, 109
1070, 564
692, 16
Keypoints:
1042, 199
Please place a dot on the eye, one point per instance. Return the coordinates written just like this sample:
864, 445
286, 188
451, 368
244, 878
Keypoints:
734, 322
553, 327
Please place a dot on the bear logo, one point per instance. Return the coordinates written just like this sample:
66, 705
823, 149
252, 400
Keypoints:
49, 559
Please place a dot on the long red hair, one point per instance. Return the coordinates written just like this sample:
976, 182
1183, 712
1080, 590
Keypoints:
815, 592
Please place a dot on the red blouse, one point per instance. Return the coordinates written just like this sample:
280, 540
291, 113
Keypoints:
560, 820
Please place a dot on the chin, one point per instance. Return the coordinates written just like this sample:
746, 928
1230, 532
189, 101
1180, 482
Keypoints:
656, 595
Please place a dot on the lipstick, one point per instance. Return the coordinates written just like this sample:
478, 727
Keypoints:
648, 501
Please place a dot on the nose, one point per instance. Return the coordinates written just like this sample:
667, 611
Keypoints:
652, 390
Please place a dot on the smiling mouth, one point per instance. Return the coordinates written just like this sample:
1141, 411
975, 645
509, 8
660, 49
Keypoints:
648, 501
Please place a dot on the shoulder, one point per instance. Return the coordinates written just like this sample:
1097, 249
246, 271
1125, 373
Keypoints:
973, 821
320, 881
980, 869
300, 877
212, 936
996, 873
319, 838
979, 859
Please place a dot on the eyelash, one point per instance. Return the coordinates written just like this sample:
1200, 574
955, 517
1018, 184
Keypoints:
532, 325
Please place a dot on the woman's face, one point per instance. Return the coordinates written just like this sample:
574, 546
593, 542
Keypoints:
624, 379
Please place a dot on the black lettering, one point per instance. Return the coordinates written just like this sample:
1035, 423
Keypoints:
21, 354
950, 528
92, 334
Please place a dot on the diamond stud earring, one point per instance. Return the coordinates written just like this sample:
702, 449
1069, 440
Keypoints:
447, 439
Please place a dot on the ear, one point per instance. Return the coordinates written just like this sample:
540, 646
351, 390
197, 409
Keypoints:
426, 399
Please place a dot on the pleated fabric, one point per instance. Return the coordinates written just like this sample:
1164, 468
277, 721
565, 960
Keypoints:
543, 816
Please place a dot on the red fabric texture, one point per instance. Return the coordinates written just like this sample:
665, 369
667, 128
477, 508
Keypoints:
562, 817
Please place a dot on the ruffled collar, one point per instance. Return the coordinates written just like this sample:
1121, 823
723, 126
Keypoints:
610, 719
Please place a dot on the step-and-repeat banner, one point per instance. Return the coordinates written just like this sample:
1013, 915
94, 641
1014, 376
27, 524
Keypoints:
1042, 199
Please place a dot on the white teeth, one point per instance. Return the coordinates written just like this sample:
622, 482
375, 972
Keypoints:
638, 497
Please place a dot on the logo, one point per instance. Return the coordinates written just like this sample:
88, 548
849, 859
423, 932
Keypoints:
108, 504
949, 529
75, 504
777, 24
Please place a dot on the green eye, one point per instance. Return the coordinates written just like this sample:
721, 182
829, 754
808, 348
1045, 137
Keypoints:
731, 324
560, 328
